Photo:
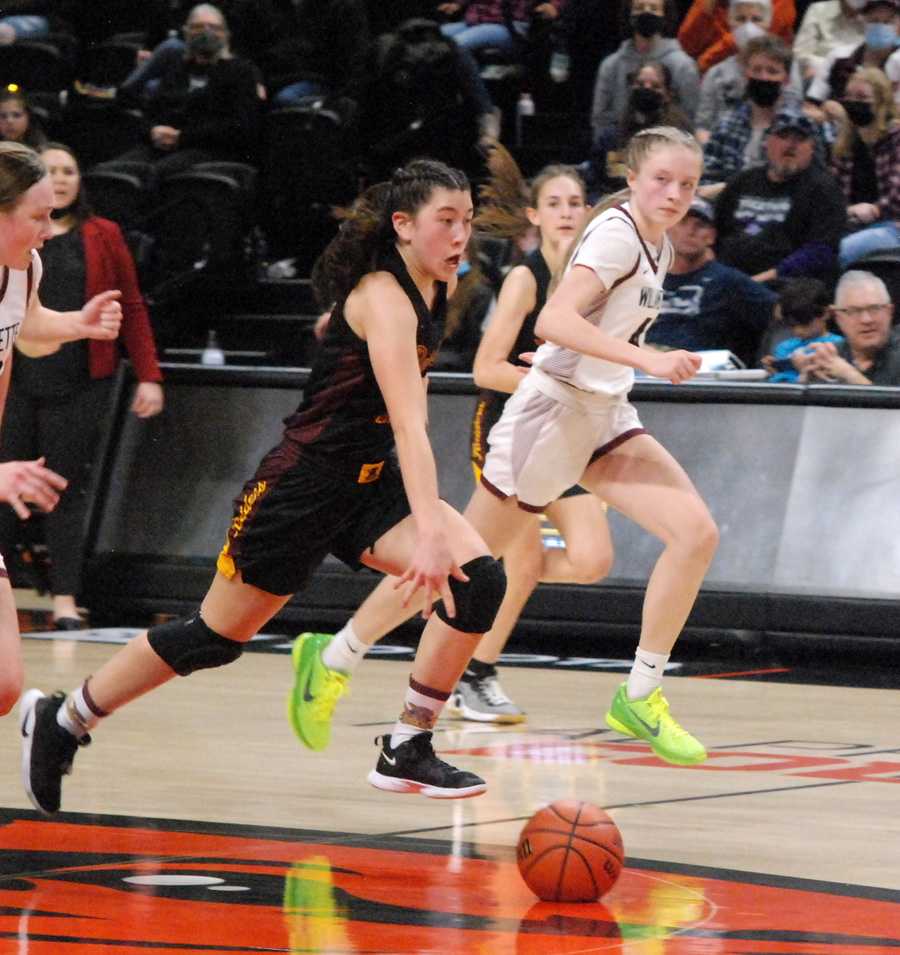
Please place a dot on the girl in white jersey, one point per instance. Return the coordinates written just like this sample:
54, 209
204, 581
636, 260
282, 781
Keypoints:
26, 201
570, 421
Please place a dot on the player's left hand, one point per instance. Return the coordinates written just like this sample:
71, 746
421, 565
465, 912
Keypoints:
101, 317
148, 399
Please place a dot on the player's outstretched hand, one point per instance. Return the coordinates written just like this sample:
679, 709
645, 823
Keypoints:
429, 570
101, 316
677, 366
22, 481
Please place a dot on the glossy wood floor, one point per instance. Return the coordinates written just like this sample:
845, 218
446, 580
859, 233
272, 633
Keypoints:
786, 840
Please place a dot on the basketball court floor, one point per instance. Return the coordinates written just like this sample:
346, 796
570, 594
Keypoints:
195, 823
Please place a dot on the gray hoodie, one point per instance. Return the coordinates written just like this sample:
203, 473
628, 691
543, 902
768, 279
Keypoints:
611, 88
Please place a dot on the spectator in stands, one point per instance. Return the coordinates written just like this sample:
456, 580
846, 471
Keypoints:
870, 354
646, 44
422, 97
737, 141
706, 31
881, 20
707, 305
27, 20
486, 23
867, 165
651, 102
805, 306
323, 52
827, 25
206, 105
18, 122
60, 396
723, 86
892, 71
785, 218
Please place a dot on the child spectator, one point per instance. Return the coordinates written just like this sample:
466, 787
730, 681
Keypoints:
805, 305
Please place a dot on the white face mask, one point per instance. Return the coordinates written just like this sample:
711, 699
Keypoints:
745, 32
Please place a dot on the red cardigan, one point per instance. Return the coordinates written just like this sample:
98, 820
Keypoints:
108, 265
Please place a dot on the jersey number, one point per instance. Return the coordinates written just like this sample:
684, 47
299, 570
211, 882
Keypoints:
636, 337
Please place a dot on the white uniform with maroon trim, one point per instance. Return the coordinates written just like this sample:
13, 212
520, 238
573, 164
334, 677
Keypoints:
571, 407
16, 286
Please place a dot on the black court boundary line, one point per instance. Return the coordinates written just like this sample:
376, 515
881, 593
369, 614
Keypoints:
400, 841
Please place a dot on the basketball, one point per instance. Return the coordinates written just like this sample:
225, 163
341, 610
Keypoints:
570, 851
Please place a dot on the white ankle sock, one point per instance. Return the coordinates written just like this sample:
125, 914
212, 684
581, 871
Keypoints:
421, 709
79, 714
346, 650
646, 673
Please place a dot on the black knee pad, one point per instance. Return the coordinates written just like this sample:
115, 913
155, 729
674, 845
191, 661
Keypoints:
479, 599
189, 645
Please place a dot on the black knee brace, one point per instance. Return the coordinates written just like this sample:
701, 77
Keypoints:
188, 645
478, 600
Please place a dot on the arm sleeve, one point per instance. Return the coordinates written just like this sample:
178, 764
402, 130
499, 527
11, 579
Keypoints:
811, 257
610, 250
137, 333
601, 113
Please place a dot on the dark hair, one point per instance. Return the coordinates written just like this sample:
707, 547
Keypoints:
671, 113
367, 229
20, 168
80, 210
802, 300
34, 135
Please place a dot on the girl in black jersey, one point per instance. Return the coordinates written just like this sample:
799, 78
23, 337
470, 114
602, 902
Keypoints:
554, 202
333, 485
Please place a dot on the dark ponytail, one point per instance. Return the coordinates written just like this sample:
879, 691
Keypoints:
367, 228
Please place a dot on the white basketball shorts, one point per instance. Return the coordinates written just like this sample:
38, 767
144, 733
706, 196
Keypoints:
546, 437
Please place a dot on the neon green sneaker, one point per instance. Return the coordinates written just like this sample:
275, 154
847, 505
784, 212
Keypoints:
316, 691
649, 719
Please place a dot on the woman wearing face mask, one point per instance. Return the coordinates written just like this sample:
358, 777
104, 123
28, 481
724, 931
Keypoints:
650, 103
205, 106
647, 21
867, 164
706, 33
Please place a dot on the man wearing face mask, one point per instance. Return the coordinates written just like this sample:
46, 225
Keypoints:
881, 22
647, 44
786, 218
724, 85
706, 33
737, 141
866, 162
205, 106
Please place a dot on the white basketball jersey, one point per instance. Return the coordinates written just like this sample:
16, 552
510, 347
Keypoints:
16, 285
632, 273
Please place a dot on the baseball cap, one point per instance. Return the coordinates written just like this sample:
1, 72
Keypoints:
701, 208
795, 120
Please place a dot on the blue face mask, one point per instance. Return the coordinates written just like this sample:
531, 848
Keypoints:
881, 36
463, 267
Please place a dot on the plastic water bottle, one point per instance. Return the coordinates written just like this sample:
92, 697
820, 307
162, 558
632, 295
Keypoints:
525, 107
212, 354
559, 67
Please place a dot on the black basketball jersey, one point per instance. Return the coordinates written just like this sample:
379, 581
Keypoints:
525, 342
343, 415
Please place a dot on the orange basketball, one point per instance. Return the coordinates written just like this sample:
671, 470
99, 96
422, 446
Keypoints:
570, 851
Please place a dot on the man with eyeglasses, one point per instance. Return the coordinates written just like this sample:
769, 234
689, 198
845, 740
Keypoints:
870, 353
